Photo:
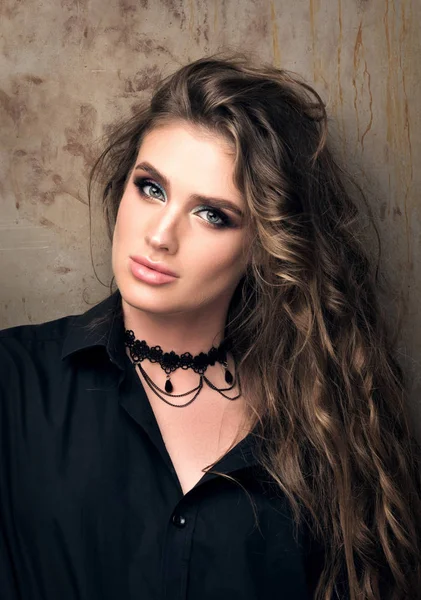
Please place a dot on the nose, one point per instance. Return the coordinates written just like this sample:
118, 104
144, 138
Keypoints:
161, 233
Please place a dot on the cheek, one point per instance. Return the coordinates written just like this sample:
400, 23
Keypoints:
215, 264
125, 221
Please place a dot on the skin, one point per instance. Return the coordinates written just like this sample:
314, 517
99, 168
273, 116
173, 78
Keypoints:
168, 226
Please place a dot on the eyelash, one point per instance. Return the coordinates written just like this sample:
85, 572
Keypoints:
143, 182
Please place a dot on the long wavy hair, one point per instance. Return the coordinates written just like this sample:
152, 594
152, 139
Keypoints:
309, 338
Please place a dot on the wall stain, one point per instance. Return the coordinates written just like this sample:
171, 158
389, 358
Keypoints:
25, 310
12, 106
275, 36
191, 19
223, 11
47, 197
79, 139
389, 90
314, 8
382, 212
258, 26
62, 187
87, 119
408, 173
34, 79
222, 21
62, 270
364, 76
370, 105
36, 166
52, 226
78, 149
9, 10
135, 42
199, 30
15, 181
398, 136
42, 183
58, 180
143, 80
76, 5
74, 30
127, 7
338, 71
204, 28
357, 49
176, 9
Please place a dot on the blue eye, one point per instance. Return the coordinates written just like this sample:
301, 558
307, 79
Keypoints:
223, 220
151, 189
155, 190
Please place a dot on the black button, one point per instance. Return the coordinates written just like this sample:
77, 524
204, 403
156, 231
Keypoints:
179, 520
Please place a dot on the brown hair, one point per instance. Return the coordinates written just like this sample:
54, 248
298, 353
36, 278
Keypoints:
309, 337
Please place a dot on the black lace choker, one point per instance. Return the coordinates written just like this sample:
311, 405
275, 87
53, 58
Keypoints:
170, 361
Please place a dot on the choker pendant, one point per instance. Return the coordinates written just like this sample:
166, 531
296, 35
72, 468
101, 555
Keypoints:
168, 385
228, 375
169, 388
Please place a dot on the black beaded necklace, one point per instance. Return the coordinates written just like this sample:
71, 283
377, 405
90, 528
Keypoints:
170, 361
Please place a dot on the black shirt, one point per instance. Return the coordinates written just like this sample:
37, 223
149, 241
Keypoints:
90, 504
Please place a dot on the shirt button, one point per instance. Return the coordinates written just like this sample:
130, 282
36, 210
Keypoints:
179, 520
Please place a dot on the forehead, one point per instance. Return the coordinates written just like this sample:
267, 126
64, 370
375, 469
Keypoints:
175, 142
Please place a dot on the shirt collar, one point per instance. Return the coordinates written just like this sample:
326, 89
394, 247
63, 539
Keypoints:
102, 325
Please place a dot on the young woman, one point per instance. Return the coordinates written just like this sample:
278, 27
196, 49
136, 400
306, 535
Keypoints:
230, 423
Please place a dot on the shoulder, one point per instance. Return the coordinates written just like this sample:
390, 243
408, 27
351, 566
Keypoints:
43, 348
49, 330
25, 347
30, 337
32, 357
73, 331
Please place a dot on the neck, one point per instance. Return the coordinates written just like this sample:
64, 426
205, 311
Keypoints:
180, 332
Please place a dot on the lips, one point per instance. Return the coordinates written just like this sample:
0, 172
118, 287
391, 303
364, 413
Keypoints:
155, 266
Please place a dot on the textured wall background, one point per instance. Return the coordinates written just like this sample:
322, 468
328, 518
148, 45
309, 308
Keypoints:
70, 67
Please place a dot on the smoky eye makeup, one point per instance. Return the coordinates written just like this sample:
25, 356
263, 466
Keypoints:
149, 188
144, 183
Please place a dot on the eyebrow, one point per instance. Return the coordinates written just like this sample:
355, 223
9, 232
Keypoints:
217, 202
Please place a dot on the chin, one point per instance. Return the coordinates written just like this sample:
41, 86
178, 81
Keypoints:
151, 299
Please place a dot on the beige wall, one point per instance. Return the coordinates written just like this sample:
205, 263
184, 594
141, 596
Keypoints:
68, 68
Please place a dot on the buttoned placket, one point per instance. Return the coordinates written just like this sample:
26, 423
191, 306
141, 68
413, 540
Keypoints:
177, 548
181, 521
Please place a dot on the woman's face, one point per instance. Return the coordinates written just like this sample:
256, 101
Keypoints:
169, 215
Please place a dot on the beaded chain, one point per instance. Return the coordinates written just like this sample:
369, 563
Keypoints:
170, 361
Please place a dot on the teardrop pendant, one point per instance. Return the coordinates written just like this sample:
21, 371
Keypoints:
228, 376
168, 386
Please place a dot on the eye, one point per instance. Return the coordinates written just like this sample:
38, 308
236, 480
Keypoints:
222, 219
148, 187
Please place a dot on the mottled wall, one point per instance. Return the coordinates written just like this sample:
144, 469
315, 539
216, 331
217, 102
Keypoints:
70, 67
